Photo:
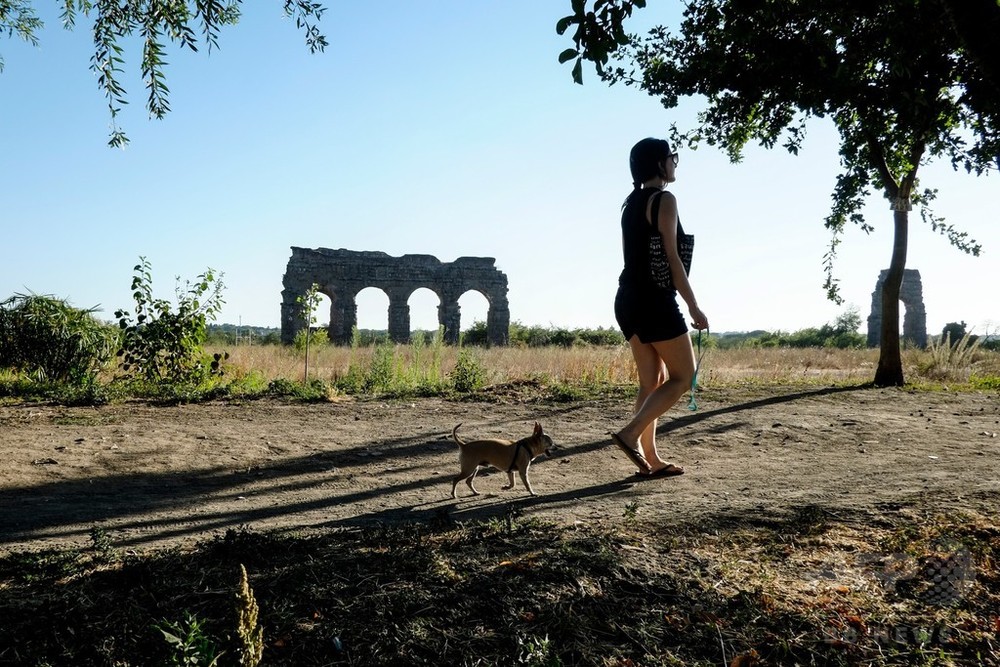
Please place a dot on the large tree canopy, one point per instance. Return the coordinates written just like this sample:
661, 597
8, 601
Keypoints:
897, 80
155, 22
977, 23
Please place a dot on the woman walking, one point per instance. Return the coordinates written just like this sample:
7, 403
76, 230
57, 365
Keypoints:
646, 304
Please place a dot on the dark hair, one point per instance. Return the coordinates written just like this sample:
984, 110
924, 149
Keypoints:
645, 158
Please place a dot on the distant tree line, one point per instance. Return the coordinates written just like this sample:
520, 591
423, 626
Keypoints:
521, 335
957, 332
841, 333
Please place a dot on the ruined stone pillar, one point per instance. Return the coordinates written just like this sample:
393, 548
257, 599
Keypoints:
343, 317
399, 319
450, 317
498, 320
911, 293
291, 320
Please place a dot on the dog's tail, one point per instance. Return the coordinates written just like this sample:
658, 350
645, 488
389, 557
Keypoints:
454, 435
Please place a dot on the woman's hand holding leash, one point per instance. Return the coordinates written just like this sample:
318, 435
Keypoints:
700, 322
698, 319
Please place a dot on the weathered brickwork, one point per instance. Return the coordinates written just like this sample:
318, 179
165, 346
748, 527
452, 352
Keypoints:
341, 274
911, 293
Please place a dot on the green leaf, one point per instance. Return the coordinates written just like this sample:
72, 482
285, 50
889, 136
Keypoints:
578, 71
564, 23
567, 55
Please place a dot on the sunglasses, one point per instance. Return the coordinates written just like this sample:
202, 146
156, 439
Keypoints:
674, 157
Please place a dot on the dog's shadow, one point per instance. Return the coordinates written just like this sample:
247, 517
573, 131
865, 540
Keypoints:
486, 505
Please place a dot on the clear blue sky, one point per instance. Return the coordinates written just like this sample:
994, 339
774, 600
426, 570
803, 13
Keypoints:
446, 128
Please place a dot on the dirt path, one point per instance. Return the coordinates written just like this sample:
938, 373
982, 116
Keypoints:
150, 476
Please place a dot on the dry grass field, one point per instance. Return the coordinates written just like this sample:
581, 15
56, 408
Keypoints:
613, 365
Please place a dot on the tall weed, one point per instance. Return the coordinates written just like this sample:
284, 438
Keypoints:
947, 361
190, 643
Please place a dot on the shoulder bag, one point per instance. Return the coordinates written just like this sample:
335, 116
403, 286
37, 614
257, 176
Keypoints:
659, 267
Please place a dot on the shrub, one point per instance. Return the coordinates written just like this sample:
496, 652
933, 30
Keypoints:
381, 373
318, 338
476, 334
313, 390
954, 330
369, 338
601, 336
351, 382
46, 337
468, 374
163, 345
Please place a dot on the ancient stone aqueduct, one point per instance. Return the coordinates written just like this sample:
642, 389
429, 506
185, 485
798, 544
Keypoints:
341, 274
911, 293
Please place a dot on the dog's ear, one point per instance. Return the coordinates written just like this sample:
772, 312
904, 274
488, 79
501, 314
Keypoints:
538, 428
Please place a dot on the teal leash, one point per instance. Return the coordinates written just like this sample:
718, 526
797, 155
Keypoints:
692, 404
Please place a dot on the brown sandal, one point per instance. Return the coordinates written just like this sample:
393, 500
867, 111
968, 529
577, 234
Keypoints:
634, 455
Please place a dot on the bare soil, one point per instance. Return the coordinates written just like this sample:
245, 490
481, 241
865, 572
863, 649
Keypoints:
150, 476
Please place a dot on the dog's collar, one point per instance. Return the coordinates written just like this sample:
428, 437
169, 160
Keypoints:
517, 450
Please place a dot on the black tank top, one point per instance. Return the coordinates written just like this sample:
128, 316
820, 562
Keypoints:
635, 242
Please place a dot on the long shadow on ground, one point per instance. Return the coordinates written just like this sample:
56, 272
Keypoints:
60, 509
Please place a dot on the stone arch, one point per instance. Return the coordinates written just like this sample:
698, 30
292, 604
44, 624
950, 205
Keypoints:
372, 303
424, 307
470, 297
911, 293
341, 274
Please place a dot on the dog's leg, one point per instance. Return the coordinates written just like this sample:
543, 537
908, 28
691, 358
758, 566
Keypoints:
467, 474
471, 479
524, 478
510, 481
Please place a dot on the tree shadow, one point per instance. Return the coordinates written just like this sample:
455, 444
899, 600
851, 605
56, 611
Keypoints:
689, 419
156, 507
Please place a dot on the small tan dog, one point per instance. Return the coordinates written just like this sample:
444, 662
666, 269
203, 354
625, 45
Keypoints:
502, 455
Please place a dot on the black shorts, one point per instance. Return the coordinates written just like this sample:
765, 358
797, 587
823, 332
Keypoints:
652, 315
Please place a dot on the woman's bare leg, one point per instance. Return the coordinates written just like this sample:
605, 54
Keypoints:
656, 396
652, 373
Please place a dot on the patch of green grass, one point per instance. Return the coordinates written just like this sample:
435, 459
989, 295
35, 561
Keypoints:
25, 569
990, 382
315, 390
252, 384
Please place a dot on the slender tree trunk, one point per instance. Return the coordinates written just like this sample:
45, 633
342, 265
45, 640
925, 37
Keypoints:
305, 376
890, 364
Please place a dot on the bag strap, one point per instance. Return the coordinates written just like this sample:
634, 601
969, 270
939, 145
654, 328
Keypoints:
654, 212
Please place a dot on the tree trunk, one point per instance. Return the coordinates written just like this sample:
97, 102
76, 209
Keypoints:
890, 364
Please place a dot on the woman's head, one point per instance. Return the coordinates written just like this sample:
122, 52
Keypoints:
649, 159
